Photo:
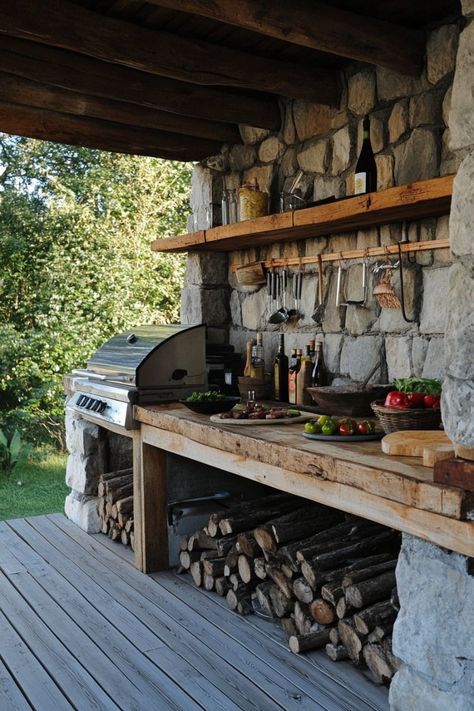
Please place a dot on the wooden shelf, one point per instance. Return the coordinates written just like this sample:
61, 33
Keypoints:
427, 198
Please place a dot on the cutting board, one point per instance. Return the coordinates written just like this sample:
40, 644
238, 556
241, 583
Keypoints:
431, 445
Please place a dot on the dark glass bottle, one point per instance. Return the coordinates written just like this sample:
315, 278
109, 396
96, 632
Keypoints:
366, 168
293, 371
280, 370
319, 376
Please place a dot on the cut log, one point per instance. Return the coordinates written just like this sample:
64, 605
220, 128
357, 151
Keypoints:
389, 540
186, 558
394, 661
208, 555
352, 530
235, 523
260, 568
132, 541
122, 479
196, 573
367, 592
302, 590
122, 492
224, 545
303, 525
123, 519
304, 642
208, 582
372, 571
183, 543
248, 544
334, 636
379, 632
281, 580
129, 525
332, 592
380, 614
105, 525
288, 626
125, 506
233, 598
235, 581
105, 476
352, 640
303, 620
343, 609
378, 664
263, 598
287, 572
322, 611
222, 586
231, 562
282, 605
265, 539
246, 569
214, 566
336, 652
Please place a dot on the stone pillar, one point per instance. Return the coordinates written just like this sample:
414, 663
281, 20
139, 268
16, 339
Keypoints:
87, 460
433, 631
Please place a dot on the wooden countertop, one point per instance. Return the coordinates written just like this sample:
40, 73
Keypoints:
354, 477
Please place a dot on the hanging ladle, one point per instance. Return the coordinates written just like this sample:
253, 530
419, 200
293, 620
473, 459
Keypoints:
295, 312
281, 315
320, 311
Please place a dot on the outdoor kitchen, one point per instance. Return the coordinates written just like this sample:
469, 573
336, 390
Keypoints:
307, 533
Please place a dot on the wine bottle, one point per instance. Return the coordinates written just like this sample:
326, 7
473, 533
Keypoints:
258, 362
280, 370
319, 375
293, 377
304, 378
366, 168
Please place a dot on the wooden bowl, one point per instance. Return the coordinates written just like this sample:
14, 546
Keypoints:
346, 400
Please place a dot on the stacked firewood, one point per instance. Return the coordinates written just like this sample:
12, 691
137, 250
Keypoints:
115, 505
329, 578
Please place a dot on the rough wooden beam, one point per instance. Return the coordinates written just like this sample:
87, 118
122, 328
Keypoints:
318, 26
27, 93
60, 23
82, 74
105, 135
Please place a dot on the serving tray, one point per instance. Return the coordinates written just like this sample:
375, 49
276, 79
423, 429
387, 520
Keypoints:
344, 438
303, 417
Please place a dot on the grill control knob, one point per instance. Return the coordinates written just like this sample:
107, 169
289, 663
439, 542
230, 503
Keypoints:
80, 400
103, 406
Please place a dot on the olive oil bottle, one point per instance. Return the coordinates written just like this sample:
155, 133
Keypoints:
280, 372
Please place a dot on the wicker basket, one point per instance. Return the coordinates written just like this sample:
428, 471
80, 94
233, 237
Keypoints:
393, 420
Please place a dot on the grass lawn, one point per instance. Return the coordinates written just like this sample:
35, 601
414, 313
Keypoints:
42, 488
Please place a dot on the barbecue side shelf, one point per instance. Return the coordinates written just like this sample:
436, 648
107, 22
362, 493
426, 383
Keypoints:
420, 200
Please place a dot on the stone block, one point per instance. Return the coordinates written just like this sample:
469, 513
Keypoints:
359, 319
419, 348
398, 121
325, 186
434, 365
334, 317
311, 119
462, 102
251, 135
434, 308
313, 247
446, 106
242, 157
391, 85
206, 268
467, 7
82, 473
82, 510
367, 238
341, 151
83, 438
256, 310
263, 174
271, 149
457, 408
397, 353
311, 157
332, 348
201, 188
450, 160
309, 299
359, 355
289, 163
362, 93
442, 256
207, 306
417, 157
433, 630
235, 309
426, 109
460, 325
384, 162
409, 690
461, 221
441, 52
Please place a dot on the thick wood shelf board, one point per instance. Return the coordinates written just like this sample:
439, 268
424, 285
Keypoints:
427, 198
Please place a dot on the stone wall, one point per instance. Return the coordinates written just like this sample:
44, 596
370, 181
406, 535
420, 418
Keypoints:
410, 138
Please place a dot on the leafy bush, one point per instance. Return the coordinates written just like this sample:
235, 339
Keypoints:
76, 265
12, 452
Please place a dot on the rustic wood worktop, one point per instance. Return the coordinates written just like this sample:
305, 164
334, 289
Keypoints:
354, 477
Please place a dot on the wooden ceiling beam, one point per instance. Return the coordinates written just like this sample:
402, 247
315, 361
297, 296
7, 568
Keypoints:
27, 93
318, 26
104, 135
84, 75
59, 23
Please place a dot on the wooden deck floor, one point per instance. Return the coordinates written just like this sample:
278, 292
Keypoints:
80, 628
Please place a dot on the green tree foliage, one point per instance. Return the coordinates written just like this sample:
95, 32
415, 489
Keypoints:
76, 265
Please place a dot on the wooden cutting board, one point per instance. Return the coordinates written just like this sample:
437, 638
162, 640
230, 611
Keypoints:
431, 445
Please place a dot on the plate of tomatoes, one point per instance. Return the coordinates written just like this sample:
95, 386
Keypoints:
341, 429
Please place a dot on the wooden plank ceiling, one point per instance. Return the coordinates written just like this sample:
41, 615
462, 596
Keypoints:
174, 78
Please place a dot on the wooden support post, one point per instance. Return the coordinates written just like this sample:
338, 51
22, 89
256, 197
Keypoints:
150, 507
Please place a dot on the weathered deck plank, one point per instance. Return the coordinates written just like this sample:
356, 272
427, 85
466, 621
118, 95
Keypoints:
80, 627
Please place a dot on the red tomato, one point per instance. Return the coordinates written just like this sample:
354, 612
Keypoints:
432, 401
346, 429
397, 400
415, 400
365, 427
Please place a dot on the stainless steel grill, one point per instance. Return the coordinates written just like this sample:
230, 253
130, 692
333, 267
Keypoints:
145, 365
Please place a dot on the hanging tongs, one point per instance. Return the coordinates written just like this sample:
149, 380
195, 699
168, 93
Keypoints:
404, 240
